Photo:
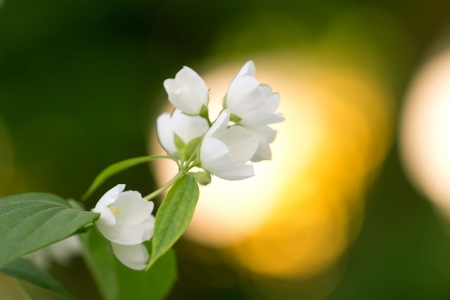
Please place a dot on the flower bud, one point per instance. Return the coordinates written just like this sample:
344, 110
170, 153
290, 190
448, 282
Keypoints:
203, 178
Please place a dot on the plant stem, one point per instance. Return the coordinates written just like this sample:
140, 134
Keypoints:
164, 187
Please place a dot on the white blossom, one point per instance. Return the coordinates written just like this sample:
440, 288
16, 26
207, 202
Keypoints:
187, 92
225, 151
252, 102
186, 127
125, 217
133, 256
253, 106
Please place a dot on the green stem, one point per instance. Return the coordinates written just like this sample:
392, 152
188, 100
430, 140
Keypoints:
25, 291
164, 187
121, 166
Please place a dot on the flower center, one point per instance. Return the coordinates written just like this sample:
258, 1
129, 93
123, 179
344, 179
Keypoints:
234, 154
115, 210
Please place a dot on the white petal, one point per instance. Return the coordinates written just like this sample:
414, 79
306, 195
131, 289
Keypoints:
164, 132
111, 195
187, 92
188, 102
247, 69
133, 256
148, 226
263, 131
238, 173
181, 100
241, 88
106, 216
241, 143
266, 135
171, 86
272, 100
184, 76
132, 208
130, 234
108, 231
200, 90
220, 125
262, 118
211, 150
188, 127
263, 152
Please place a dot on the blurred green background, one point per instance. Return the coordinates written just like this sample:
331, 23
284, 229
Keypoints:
81, 86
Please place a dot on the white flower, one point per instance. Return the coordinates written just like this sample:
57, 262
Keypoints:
254, 104
186, 127
133, 256
187, 92
125, 217
225, 151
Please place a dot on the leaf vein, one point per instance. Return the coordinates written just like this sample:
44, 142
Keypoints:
40, 226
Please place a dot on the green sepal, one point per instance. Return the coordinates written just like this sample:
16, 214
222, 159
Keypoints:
179, 143
192, 146
204, 113
224, 102
185, 151
235, 119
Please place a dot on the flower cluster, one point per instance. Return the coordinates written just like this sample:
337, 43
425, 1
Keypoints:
126, 220
239, 135
224, 148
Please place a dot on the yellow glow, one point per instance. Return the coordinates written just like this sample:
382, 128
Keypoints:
322, 204
425, 134
301, 210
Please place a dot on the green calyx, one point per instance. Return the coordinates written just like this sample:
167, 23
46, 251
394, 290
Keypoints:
185, 151
235, 119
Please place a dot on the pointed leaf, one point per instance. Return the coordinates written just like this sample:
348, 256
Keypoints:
34, 220
25, 270
117, 168
174, 215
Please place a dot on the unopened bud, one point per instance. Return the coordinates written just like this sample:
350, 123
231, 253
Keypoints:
203, 178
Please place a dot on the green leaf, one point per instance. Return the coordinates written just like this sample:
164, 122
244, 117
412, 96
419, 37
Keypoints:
116, 281
117, 168
99, 258
34, 220
174, 215
25, 270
